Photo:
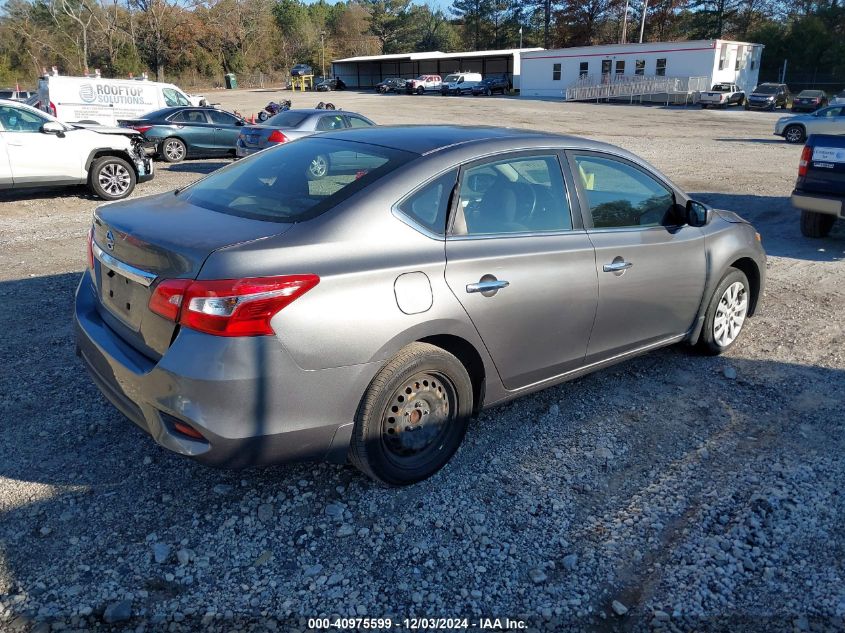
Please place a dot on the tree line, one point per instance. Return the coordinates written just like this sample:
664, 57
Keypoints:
195, 42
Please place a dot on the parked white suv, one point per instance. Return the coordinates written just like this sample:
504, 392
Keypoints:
37, 150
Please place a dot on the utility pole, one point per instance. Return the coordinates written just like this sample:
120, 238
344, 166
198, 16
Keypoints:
547, 22
520, 37
323, 52
642, 24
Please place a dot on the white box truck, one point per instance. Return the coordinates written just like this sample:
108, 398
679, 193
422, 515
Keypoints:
107, 101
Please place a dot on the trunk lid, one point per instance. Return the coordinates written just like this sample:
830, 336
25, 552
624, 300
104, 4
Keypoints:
140, 242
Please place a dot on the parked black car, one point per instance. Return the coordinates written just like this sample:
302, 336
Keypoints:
301, 69
490, 85
769, 96
189, 132
391, 84
809, 101
335, 83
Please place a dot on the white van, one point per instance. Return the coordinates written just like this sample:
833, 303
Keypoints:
106, 101
459, 83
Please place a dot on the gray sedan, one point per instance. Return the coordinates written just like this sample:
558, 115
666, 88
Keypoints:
293, 124
796, 129
262, 315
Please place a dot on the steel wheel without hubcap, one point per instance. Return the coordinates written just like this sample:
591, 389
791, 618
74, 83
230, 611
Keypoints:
730, 314
174, 151
114, 179
418, 419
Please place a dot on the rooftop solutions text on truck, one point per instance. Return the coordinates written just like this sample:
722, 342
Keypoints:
107, 101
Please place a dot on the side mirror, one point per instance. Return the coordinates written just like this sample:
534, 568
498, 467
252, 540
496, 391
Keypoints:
697, 214
53, 127
240, 122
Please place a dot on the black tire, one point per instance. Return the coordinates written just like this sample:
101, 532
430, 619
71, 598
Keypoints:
741, 101
703, 106
173, 150
439, 385
111, 178
420, 90
795, 134
816, 224
747, 107
263, 115
708, 342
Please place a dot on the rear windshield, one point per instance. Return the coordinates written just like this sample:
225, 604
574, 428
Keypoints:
295, 181
766, 89
6, 94
288, 118
722, 87
811, 93
159, 114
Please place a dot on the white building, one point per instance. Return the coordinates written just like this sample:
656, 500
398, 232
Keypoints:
549, 73
368, 70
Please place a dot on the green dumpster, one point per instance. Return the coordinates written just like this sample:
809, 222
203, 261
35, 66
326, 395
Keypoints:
231, 81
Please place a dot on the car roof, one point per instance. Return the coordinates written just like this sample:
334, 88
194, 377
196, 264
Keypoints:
427, 139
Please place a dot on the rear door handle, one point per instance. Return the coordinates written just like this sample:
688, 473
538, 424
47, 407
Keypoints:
488, 286
617, 266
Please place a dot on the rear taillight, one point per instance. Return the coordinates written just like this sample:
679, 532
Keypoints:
91, 248
167, 298
229, 307
142, 128
276, 136
806, 156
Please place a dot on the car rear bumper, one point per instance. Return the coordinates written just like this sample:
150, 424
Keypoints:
246, 397
829, 205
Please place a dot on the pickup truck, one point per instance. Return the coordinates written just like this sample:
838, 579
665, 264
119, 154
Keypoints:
722, 95
820, 189
422, 84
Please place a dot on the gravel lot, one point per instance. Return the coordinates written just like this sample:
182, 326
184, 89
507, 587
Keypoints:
673, 492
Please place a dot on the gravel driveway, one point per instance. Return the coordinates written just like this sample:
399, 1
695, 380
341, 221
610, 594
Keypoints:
673, 492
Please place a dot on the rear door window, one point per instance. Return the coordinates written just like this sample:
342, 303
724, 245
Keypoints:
520, 194
357, 121
189, 116
331, 122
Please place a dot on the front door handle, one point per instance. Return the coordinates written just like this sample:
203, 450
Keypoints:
488, 286
617, 266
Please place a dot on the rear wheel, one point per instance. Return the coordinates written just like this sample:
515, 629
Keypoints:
413, 416
816, 224
703, 106
794, 134
173, 150
111, 178
726, 313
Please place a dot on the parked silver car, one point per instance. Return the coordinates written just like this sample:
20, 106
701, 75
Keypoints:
796, 129
293, 124
261, 315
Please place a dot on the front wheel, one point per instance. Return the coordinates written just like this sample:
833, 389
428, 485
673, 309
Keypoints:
726, 313
816, 224
741, 101
420, 90
412, 417
263, 115
794, 134
111, 178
